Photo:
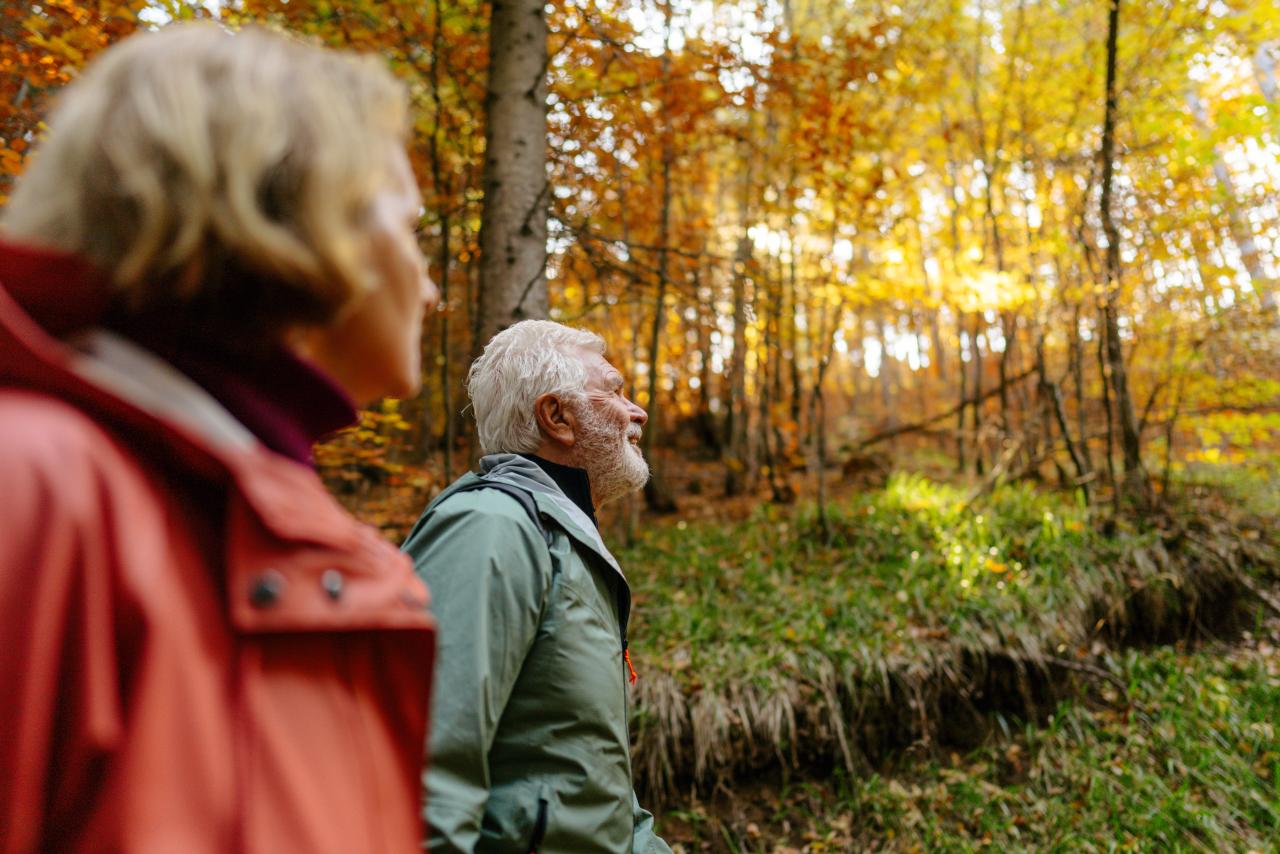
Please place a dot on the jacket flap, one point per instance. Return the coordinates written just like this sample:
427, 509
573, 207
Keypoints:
273, 586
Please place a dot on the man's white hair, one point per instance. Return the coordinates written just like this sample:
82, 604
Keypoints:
519, 365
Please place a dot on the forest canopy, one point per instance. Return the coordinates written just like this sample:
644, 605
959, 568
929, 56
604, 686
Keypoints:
884, 219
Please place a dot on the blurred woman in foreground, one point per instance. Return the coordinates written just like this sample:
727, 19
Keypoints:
209, 261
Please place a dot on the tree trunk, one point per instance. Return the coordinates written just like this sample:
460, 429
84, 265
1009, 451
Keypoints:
1076, 364
656, 494
953, 191
1136, 484
708, 435
1053, 397
738, 478
979, 457
438, 183
889, 413
792, 320
963, 372
1104, 377
513, 235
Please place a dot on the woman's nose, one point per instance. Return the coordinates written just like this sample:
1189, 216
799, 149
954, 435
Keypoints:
430, 293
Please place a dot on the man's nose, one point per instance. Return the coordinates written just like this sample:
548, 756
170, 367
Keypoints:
638, 415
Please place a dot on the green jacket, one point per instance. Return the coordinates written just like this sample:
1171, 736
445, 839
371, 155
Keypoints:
529, 731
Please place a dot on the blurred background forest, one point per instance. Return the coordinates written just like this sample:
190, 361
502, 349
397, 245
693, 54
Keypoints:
957, 325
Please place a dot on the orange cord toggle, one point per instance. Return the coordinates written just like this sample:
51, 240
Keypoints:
626, 656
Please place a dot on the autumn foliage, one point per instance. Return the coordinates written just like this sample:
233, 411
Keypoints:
41, 49
818, 230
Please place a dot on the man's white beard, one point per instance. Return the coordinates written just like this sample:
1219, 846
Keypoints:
616, 466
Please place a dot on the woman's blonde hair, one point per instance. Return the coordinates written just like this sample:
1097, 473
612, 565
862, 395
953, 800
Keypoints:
203, 167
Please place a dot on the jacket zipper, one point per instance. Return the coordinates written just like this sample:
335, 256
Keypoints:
539, 827
626, 657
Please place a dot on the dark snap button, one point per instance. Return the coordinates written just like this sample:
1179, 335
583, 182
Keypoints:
332, 582
266, 589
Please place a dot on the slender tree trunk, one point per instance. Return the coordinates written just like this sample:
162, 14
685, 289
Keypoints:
656, 494
953, 190
818, 411
1137, 485
739, 477
792, 320
513, 234
1076, 357
888, 410
440, 184
963, 372
1104, 375
1053, 396
979, 458
707, 432
921, 344
820, 414
1170, 433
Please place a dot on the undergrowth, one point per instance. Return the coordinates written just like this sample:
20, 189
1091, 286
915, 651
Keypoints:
1190, 763
919, 620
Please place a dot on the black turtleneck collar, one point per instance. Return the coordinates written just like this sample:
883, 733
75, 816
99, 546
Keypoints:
573, 482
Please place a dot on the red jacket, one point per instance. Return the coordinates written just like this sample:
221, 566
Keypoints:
199, 649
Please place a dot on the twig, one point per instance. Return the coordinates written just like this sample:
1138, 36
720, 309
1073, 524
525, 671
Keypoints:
1092, 670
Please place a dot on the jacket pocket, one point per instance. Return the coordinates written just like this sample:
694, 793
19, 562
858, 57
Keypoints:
539, 826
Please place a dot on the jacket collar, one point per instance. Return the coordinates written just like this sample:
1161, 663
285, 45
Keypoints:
132, 373
574, 482
551, 500
45, 294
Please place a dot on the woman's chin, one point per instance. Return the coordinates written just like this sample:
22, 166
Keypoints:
404, 387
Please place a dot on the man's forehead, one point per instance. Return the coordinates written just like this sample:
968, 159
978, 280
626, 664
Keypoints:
599, 366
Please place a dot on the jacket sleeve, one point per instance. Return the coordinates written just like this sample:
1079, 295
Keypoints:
61, 714
489, 573
643, 839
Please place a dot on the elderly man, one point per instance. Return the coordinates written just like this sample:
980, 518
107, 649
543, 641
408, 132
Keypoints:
530, 743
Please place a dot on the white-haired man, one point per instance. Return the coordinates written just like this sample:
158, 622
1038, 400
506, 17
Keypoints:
529, 739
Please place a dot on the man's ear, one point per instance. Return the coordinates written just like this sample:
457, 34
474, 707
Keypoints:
555, 420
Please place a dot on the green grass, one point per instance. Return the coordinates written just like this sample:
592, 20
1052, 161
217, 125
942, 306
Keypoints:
906, 568
1192, 763
1251, 485
763, 644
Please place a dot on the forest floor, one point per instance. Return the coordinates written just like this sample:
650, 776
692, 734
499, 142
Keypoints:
942, 670
1190, 762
